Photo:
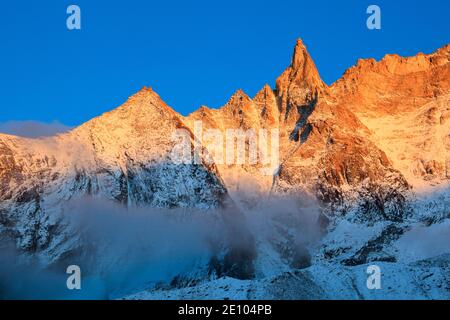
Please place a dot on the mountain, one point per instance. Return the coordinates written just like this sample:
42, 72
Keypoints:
405, 104
324, 148
123, 156
305, 179
425, 279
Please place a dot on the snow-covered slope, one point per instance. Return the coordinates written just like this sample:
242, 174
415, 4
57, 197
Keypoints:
324, 148
425, 279
122, 156
361, 177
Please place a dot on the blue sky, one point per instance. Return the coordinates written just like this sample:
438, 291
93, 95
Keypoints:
190, 52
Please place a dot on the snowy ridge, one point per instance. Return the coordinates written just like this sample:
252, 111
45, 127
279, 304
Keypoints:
363, 179
426, 279
122, 156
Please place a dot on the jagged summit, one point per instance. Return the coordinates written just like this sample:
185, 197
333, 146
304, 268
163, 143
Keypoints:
145, 89
297, 86
300, 57
444, 51
239, 104
144, 94
142, 113
303, 70
265, 96
300, 83
146, 97
359, 167
237, 97
399, 65
266, 103
264, 93
404, 82
405, 103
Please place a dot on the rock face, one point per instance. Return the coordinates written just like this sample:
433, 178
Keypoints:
324, 148
299, 85
123, 155
367, 148
405, 104
373, 150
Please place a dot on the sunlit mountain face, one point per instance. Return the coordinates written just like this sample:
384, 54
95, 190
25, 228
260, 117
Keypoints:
296, 193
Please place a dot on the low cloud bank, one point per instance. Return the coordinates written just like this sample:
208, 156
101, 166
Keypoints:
423, 242
33, 129
124, 250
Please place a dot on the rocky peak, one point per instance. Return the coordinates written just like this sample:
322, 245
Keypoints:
203, 110
266, 93
302, 70
394, 64
444, 51
239, 97
239, 103
146, 100
300, 83
266, 102
142, 129
415, 80
301, 59
143, 109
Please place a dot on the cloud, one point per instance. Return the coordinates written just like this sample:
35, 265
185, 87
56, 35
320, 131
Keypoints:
122, 250
118, 249
423, 242
33, 129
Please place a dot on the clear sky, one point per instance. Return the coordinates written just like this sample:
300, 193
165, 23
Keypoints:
190, 52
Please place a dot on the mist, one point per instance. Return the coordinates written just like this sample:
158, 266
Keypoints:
122, 250
33, 129
423, 242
